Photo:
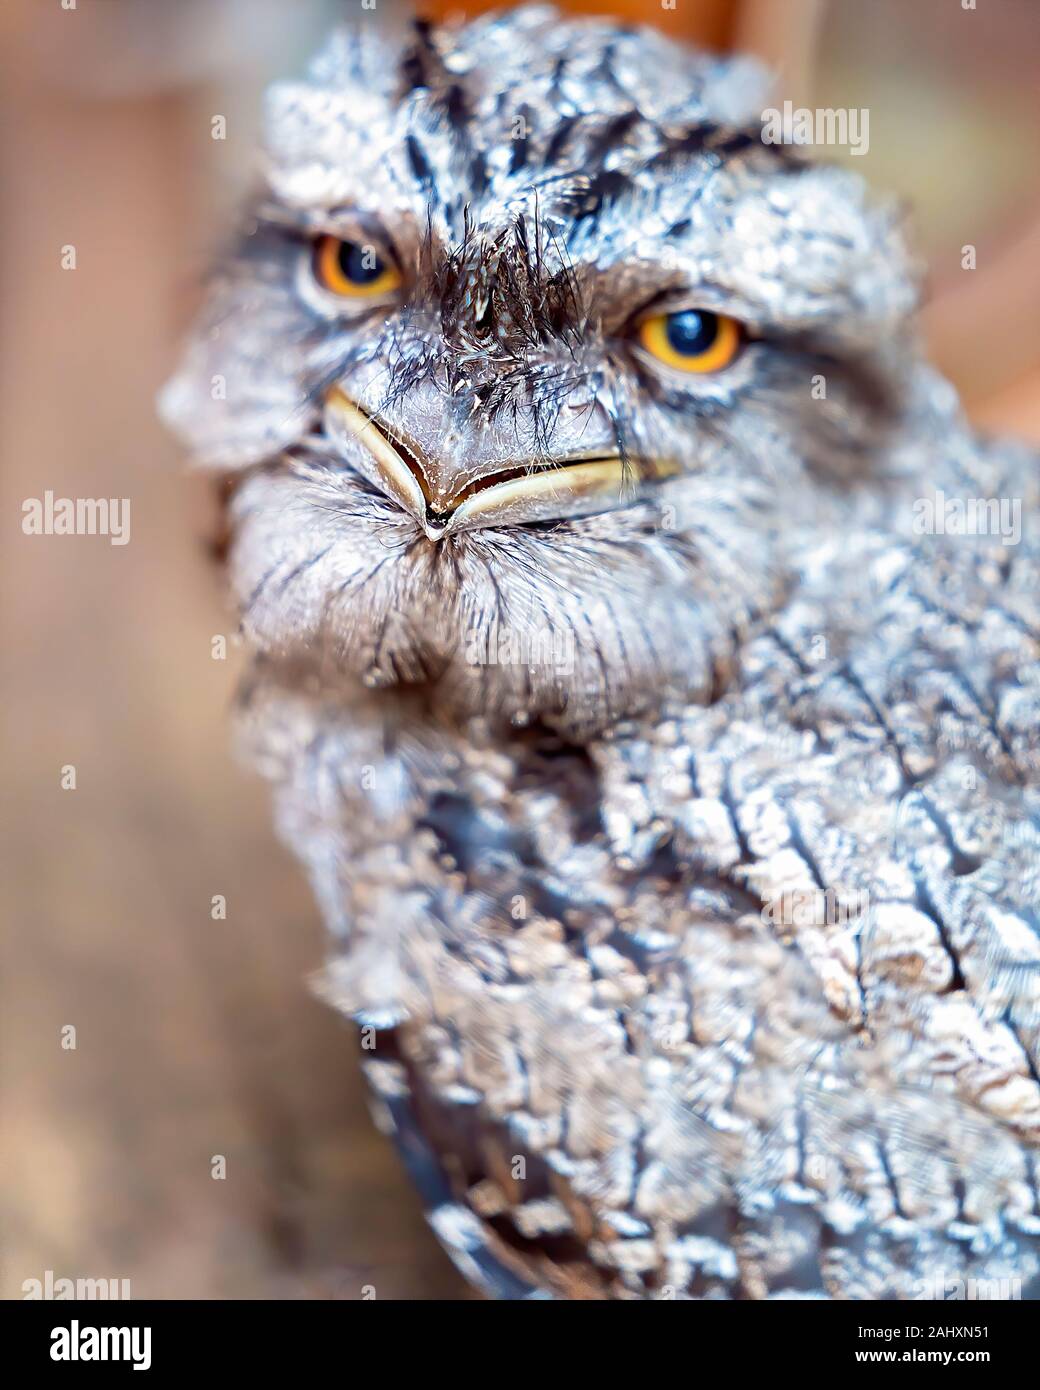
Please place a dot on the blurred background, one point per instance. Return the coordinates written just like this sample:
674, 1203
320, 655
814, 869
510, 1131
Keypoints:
197, 1037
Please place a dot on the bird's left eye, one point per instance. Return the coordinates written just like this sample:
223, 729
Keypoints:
693, 340
353, 270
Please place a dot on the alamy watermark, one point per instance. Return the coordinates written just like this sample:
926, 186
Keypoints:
940, 515
947, 1288
847, 127
77, 516
50, 1287
81, 1342
815, 907
501, 645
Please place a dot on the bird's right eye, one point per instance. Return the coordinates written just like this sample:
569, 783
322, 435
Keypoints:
693, 340
353, 270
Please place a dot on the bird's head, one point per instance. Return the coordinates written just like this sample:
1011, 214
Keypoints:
536, 366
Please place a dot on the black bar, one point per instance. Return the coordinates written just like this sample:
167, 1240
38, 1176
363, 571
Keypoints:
355, 1341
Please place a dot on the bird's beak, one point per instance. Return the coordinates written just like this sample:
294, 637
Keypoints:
445, 498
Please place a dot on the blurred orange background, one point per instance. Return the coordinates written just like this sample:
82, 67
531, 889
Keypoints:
198, 1037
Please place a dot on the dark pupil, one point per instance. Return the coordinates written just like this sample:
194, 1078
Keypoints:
359, 264
692, 332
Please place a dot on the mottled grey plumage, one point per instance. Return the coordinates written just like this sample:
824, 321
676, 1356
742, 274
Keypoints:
704, 952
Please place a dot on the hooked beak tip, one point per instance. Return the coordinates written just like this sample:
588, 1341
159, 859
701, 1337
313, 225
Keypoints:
434, 525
